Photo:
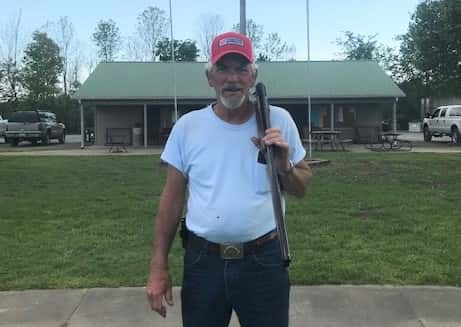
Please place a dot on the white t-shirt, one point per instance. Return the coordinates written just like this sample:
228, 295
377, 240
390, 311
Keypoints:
229, 191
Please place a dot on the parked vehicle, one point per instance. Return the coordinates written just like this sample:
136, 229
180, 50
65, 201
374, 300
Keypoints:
3, 127
34, 126
443, 121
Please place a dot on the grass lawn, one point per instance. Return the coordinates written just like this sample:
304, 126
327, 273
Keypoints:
379, 218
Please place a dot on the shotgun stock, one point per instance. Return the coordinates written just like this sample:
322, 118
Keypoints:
267, 151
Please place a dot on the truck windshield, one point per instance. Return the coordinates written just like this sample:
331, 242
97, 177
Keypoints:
435, 114
24, 117
47, 117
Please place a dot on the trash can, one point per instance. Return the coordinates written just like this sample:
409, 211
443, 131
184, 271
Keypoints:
88, 136
385, 126
137, 136
414, 126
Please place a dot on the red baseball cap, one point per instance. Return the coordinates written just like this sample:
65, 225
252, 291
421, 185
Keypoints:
231, 42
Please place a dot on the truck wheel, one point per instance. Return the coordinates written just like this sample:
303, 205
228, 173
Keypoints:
46, 139
455, 135
62, 138
427, 134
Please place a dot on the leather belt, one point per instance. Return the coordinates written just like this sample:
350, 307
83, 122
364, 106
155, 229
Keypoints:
229, 251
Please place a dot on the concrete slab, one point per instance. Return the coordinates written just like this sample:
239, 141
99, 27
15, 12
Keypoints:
435, 307
124, 307
313, 306
350, 306
38, 308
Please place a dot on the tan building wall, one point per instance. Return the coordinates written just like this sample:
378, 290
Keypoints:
116, 117
357, 121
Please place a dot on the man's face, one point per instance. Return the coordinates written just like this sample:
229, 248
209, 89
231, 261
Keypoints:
231, 77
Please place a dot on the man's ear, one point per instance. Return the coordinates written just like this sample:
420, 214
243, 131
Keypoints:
208, 77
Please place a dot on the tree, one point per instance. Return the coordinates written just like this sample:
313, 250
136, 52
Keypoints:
42, 66
63, 34
2, 74
64, 40
75, 67
91, 60
255, 33
210, 26
274, 48
107, 39
183, 50
431, 48
10, 81
133, 49
291, 52
10, 64
152, 26
360, 47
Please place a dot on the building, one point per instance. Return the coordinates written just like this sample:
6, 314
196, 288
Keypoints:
351, 96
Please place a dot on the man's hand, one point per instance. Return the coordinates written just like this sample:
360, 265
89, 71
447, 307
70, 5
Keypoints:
296, 182
281, 150
158, 288
170, 207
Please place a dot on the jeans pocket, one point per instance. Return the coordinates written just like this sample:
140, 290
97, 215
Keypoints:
192, 256
269, 257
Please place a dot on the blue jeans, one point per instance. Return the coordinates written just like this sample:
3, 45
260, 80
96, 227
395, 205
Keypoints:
256, 287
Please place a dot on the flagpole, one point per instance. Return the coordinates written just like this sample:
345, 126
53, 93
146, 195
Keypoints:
174, 67
309, 109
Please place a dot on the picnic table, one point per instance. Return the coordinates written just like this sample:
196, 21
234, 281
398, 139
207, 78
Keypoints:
329, 138
389, 141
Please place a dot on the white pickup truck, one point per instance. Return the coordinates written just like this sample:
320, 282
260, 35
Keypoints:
2, 126
443, 121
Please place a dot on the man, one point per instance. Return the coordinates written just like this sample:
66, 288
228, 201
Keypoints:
232, 259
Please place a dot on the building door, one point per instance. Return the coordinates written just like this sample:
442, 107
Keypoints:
153, 125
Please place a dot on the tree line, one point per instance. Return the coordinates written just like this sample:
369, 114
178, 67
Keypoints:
49, 69
428, 62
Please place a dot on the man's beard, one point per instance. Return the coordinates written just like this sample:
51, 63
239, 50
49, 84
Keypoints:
232, 103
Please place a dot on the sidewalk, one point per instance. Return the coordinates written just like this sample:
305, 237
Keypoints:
311, 306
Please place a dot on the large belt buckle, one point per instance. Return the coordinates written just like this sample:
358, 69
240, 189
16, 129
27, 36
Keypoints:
231, 251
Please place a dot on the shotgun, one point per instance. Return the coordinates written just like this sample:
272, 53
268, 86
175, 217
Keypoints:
266, 155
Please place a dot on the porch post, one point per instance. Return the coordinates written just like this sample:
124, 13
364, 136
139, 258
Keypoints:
394, 115
82, 127
332, 116
145, 125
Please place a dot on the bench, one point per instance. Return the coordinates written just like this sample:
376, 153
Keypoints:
118, 139
313, 142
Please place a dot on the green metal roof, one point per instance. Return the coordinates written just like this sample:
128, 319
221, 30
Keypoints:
286, 80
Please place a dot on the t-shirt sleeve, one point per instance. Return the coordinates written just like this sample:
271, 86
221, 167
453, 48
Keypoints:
297, 151
290, 134
173, 153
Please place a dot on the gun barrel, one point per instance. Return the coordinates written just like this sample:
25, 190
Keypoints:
263, 119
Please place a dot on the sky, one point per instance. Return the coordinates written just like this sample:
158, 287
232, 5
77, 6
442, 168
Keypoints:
329, 19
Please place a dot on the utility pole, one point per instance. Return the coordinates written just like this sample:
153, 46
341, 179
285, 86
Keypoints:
309, 104
173, 60
243, 19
